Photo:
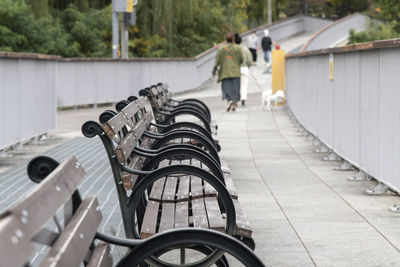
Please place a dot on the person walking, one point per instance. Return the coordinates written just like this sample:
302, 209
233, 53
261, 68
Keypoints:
244, 69
266, 43
252, 44
227, 63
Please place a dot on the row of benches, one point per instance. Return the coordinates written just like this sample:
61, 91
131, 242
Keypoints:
170, 183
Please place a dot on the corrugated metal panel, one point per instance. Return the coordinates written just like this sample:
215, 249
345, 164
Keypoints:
347, 132
325, 94
389, 126
27, 99
358, 113
369, 115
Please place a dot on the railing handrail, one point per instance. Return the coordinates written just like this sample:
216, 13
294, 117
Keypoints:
390, 43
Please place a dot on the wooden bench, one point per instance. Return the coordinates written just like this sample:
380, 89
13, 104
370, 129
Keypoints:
157, 128
71, 243
183, 198
167, 110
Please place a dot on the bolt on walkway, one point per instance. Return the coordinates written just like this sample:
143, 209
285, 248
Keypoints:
304, 213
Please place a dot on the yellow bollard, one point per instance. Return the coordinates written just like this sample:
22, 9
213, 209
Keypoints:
278, 71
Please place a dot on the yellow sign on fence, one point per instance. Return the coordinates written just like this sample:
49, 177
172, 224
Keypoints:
331, 67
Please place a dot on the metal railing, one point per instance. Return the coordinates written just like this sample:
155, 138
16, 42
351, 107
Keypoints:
27, 99
336, 32
357, 113
32, 86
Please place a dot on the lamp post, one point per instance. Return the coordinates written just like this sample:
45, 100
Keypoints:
126, 8
269, 12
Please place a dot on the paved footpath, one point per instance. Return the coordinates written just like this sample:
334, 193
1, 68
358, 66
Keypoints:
303, 212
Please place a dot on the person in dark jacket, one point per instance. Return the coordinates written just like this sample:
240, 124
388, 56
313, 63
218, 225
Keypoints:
266, 44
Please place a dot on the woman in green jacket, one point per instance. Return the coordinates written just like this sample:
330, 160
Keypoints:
228, 60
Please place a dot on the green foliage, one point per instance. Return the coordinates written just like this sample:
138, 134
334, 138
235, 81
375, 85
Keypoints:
165, 28
375, 31
389, 11
184, 28
71, 34
387, 25
39, 7
88, 31
82, 5
345, 7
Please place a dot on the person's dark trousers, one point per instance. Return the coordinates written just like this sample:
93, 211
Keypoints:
254, 54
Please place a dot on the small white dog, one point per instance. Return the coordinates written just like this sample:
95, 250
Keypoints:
270, 100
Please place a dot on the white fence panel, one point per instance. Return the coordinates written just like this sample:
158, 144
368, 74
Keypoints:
369, 115
389, 116
27, 99
324, 104
357, 113
347, 96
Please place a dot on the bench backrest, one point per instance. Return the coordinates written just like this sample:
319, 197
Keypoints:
25, 223
158, 96
127, 129
124, 134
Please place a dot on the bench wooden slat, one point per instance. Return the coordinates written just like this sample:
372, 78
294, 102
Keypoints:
196, 186
181, 214
230, 186
72, 245
38, 206
242, 224
196, 163
141, 127
14, 251
183, 188
150, 219
146, 143
144, 102
209, 191
157, 190
185, 162
214, 215
128, 179
167, 217
225, 166
199, 213
129, 142
126, 147
164, 163
130, 110
114, 125
101, 256
170, 189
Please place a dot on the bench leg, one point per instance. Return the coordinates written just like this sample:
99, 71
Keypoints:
182, 256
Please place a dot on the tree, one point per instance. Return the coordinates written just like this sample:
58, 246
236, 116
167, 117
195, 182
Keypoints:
344, 7
184, 27
387, 25
389, 11
40, 8
83, 5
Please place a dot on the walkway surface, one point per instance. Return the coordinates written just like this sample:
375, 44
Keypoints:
303, 212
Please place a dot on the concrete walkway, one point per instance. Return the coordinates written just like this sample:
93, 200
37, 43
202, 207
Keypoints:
303, 212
